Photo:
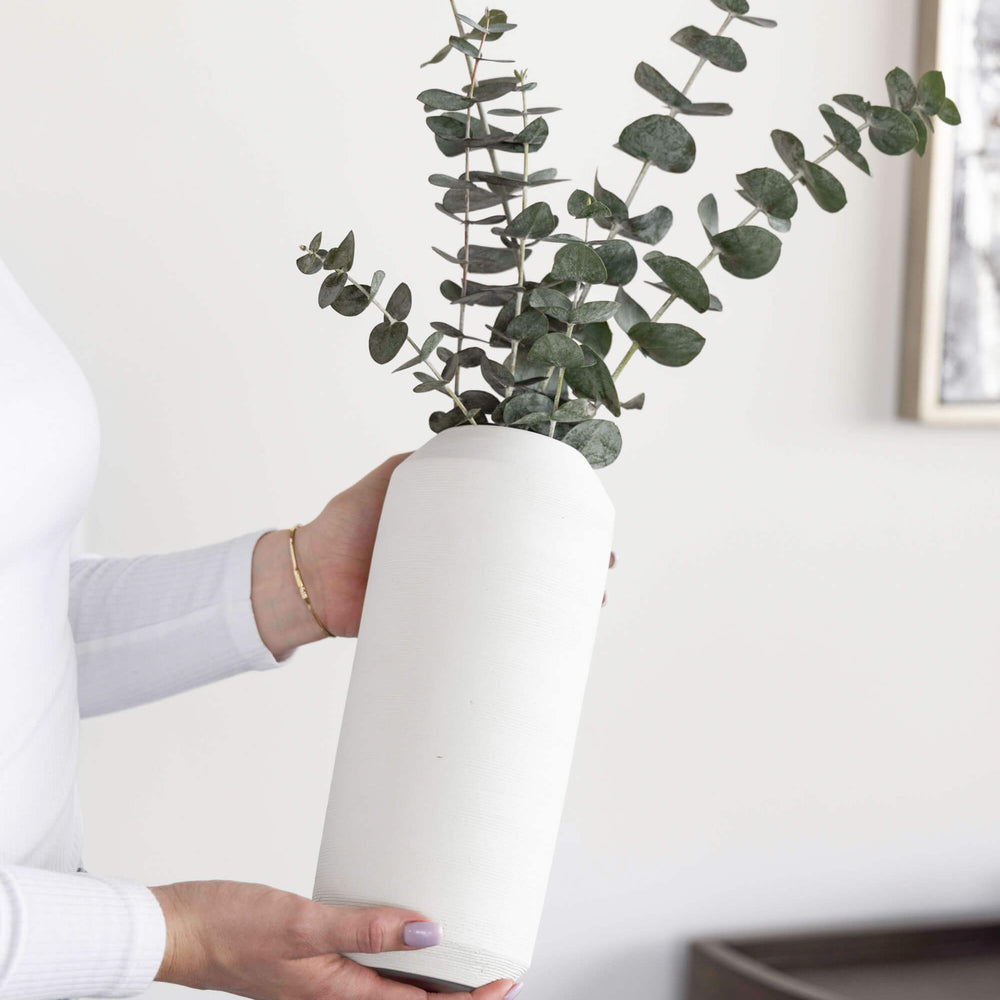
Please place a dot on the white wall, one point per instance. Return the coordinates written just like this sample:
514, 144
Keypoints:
791, 717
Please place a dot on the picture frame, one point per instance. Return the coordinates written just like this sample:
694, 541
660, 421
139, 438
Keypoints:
951, 346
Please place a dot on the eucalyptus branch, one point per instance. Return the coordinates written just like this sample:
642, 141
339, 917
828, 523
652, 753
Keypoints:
480, 108
522, 241
378, 305
793, 178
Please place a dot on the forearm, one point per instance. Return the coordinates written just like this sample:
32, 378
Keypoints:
283, 619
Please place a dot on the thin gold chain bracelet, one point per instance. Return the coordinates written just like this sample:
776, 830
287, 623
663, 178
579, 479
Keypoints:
298, 580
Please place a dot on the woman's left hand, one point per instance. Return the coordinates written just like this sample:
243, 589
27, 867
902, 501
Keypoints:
334, 555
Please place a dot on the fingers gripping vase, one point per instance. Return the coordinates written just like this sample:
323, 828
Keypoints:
461, 716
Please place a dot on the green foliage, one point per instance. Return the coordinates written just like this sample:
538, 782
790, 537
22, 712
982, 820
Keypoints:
556, 332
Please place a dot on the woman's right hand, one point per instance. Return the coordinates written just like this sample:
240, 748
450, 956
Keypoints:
263, 943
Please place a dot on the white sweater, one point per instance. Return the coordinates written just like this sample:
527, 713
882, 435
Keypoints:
83, 636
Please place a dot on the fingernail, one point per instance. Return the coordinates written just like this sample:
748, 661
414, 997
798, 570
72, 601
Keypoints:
422, 934
604, 600
513, 991
614, 559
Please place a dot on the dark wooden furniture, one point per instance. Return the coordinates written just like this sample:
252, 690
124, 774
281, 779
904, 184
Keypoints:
958, 961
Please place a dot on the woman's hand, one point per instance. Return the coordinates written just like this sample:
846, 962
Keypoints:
334, 554
255, 941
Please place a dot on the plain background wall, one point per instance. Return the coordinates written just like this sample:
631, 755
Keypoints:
791, 717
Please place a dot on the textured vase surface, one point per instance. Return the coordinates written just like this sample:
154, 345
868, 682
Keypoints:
458, 731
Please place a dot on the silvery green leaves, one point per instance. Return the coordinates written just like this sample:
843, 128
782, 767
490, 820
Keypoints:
652, 81
826, 190
721, 51
740, 9
494, 22
664, 142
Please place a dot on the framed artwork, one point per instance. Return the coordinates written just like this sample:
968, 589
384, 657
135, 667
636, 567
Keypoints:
951, 356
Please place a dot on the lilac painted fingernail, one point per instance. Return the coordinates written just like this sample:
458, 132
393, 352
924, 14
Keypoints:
422, 934
513, 991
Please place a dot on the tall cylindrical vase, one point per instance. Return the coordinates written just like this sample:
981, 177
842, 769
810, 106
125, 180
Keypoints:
461, 716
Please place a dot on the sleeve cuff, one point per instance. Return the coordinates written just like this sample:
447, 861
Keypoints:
76, 935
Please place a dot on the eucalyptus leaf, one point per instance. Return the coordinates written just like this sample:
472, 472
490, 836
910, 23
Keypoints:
650, 227
385, 341
747, 251
770, 192
535, 222
594, 381
557, 349
708, 213
431, 386
789, 147
441, 420
477, 399
670, 344
442, 100
652, 81
377, 278
343, 256
931, 92
862, 164
489, 260
735, 7
902, 90
760, 22
629, 311
463, 46
593, 312
599, 441
720, 50
398, 306
949, 112
619, 210
530, 324
492, 88
446, 127
681, 278
551, 302
663, 141
578, 262
845, 134
596, 336
575, 410
826, 190
853, 102
635, 403
533, 419
333, 285
619, 261
526, 402
309, 263
495, 375
352, 301
582, 205
891, 131
533, 134
438, 56
455, 200
315, 242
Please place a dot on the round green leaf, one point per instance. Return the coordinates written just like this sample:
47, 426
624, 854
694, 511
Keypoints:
557, 349
747, 251
619, 210
891, 131
664, 141
652, 81
578, 262
789, 147
670, 344
385, 341
595, 382
352, 301
682, 279
333, 285
343, 257
592, 312
845, 134
582, 205
523, 403
853, 102
862, 164
770, 191
315, 241
442, 100
733, 6
931, 92
650, 227
629, 311
635, 403
528, 326
398, 306
309, 263
619, 261
551, 302
902, 90
574, 411
535, 222
446, 127
826, 190
599, 441
719, 50
949, 112
596, 336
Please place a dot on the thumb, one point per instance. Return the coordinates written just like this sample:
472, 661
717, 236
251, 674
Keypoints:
372, 929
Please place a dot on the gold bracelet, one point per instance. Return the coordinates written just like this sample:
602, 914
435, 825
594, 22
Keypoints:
299, 583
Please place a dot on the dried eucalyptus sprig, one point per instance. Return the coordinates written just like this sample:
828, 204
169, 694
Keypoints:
554, 378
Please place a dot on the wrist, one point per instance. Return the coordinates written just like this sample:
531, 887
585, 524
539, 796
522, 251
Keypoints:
283, 619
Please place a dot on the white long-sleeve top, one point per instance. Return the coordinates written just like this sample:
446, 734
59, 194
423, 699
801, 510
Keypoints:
83, 636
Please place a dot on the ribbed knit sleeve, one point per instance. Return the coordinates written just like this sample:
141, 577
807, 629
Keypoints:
76, 935
150, 626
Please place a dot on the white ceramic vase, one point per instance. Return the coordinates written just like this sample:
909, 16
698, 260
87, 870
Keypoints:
464, 700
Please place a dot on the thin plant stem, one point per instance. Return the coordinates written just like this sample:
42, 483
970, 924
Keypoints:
523, 240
